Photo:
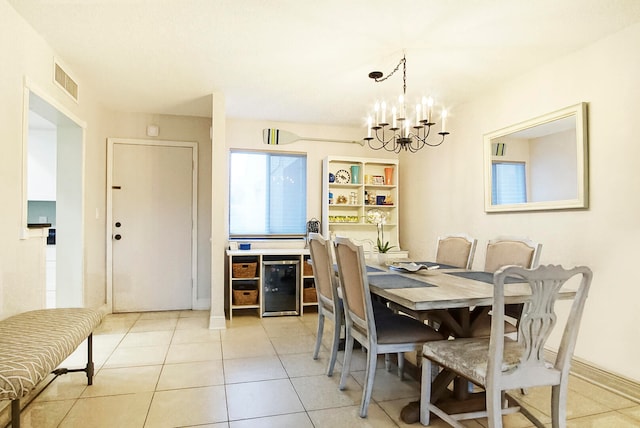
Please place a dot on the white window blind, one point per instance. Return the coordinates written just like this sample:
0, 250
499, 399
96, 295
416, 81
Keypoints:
267, 194
509, 184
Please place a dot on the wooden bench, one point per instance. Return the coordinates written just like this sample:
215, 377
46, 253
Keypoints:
33, 344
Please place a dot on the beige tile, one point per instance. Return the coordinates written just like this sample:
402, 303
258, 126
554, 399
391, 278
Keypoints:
259, 399
194, 313
286, 329
196, 336
128, 410
388, 386
103, 347
252, 332
218, 425
186, 323
154, 324
159, 315
188, 352
321, 392
253, 369
298, 365
183, 407
267, 378
45, 414
137, 356
247, 348
116, 323
604, 420
125, 380
292, 420
633, 412
358, 360
191, 375
294, 344
69, 386
599, 394
147, 338
244, 319
350, 417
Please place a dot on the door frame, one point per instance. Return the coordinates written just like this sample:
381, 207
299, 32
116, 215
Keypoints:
194, 210
70, 293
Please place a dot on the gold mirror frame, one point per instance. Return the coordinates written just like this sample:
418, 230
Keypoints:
523, 136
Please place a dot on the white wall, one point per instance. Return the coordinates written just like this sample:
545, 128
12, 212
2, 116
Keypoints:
604, 237
41, 183
22, 260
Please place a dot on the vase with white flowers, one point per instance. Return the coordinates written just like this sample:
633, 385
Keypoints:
379, 218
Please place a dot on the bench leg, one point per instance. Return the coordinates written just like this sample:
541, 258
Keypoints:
90, 359
89, 369
15, 413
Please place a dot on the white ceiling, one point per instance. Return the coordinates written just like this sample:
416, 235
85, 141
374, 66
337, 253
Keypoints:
308, 60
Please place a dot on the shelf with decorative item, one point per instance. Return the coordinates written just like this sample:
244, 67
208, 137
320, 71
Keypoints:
375, 177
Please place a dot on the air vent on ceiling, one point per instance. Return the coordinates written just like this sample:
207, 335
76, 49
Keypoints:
65, 82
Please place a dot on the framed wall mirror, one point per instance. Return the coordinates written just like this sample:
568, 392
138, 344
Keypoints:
539, 164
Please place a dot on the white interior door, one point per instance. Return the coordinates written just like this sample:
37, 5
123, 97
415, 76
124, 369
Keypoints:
152, 222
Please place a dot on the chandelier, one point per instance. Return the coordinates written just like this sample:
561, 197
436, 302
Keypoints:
400, 134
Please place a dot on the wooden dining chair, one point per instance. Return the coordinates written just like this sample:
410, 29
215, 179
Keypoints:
507, 251
392, 333
498, 363
456, 250
329, 302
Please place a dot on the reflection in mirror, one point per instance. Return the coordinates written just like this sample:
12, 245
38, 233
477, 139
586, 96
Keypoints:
540, 164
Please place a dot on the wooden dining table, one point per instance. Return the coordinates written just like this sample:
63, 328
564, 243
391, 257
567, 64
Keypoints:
455, 297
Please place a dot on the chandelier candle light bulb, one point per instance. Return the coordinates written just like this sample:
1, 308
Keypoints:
444, 120
384, 114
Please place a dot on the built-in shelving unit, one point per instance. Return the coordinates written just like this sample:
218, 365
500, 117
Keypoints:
346, 203
247, 282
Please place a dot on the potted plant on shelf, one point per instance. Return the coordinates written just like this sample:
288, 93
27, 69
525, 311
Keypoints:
379, 218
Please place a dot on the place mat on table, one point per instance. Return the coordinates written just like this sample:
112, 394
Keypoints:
396, 281
370, 269
485, 277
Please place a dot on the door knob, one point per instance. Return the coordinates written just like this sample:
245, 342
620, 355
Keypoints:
117, 237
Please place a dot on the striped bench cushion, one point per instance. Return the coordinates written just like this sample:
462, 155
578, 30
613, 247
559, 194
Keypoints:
34, 343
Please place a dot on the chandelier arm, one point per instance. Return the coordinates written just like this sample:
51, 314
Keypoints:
444, 134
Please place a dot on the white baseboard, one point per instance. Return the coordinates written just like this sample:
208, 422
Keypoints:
217, 323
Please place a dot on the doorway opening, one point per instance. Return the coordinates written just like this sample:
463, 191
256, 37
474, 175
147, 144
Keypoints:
54, 194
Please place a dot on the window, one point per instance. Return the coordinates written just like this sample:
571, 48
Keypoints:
267, 194
509, 184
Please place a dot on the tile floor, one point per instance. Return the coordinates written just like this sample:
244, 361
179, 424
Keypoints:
169, 370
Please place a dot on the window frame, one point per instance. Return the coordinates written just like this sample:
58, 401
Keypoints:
494, 181
266, 236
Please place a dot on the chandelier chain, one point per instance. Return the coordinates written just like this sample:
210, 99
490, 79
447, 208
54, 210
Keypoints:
402, 62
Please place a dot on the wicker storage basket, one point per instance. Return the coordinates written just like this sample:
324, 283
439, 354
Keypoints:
307, 269
244, 270
309, 295
245, 297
